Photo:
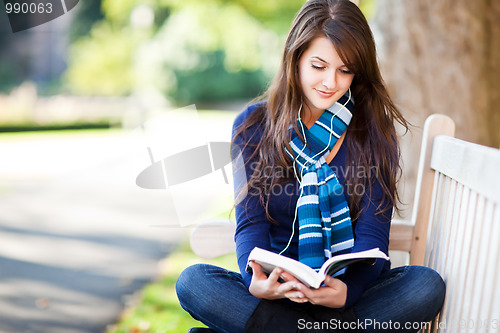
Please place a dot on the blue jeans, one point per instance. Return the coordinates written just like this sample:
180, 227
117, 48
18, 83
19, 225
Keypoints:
398, 301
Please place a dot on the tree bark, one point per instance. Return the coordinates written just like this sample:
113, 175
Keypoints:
441, 57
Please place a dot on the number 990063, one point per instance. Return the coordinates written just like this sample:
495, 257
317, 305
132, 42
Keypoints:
28, 8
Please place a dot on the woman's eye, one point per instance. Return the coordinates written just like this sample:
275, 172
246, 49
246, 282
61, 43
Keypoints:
318, 67
346, 71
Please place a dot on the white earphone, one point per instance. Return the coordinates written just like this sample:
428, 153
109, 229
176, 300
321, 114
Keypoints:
302, 171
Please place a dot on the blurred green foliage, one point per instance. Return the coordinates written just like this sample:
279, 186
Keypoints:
368, 7
88, 12
186, 50
100, 64
190, 51
9, 76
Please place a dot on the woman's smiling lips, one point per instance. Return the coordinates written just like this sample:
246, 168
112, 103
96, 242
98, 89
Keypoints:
324, 94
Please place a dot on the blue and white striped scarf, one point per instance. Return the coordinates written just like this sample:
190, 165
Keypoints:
325, 227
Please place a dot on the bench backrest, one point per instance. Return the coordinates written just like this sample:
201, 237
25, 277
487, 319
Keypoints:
463, 242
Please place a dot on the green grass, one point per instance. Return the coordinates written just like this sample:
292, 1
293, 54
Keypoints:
157, 309
28, 127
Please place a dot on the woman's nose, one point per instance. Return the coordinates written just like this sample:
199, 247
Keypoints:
329, 81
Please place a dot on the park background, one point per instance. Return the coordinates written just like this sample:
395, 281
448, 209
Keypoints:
74, 89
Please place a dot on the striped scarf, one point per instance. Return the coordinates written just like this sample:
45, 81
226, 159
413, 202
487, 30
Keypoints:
325, 227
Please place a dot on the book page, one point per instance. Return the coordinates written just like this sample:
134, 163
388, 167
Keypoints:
269, 260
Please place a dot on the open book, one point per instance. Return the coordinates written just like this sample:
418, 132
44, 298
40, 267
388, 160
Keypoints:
269, 260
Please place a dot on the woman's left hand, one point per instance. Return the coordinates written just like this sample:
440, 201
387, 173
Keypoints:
333, 295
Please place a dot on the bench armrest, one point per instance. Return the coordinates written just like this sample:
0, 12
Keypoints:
213, 238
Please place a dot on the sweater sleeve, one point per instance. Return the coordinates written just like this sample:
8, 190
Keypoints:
252, 225
371, 230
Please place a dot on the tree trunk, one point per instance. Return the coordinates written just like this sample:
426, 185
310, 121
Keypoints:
441, 56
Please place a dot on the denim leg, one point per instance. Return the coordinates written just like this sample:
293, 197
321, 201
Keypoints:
401, 298
215, 296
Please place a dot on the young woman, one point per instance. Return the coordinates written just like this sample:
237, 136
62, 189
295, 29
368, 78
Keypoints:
321, 165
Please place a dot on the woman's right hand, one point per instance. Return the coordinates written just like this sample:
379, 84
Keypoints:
265, 287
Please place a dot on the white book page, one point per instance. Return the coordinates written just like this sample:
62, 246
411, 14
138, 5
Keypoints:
269, 260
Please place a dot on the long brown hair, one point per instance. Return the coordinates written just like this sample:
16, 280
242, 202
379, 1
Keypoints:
371, 140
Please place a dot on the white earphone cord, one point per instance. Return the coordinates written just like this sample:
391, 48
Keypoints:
302, 171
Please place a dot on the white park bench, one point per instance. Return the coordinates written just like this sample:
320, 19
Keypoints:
455, 227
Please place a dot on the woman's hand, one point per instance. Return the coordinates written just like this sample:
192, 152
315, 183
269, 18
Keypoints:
333, 295
268, 287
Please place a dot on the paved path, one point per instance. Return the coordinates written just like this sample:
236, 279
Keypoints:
77, 237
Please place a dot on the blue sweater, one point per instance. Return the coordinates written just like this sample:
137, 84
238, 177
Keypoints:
254, 229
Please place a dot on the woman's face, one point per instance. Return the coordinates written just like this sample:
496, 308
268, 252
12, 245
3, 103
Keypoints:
323, 76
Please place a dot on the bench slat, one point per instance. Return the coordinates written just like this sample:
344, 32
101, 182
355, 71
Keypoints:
458, 270
401, 236
495, 292
213, 238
